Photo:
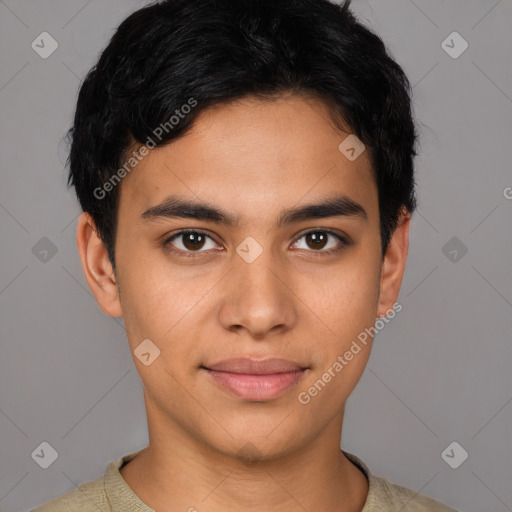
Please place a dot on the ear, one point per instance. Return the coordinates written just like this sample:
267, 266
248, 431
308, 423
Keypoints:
96, 266
393, 265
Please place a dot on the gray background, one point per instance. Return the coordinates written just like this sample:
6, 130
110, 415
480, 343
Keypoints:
439, 372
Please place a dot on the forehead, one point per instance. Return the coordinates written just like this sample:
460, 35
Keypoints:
253, 154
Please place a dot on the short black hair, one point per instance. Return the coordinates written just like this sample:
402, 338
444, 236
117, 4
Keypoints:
173, 53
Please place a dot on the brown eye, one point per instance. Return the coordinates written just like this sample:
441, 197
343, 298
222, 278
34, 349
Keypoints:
316, 239
321, 241
193, 241
189, 241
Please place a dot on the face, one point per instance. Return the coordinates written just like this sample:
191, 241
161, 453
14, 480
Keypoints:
255, 277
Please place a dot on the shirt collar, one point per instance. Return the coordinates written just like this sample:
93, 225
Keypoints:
121, 495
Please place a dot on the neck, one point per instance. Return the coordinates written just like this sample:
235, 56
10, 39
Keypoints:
179, 471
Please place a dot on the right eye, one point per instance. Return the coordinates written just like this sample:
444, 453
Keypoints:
190, 241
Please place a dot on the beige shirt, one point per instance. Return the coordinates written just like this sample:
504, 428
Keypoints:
111, 493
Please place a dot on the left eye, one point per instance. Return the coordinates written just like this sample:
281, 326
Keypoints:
318, 241
193, 241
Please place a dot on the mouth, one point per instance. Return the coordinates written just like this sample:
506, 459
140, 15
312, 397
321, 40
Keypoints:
256, 380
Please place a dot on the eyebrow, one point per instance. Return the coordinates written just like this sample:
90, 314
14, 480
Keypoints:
178, 207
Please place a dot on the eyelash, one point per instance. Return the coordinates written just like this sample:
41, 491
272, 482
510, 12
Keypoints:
193, 254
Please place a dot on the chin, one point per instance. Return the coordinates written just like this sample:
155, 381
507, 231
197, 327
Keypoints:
255, 445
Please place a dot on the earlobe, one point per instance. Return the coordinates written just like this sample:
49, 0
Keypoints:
96, 266
393, 266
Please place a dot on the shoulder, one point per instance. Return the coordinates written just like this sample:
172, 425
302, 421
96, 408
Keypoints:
402, 498
101, 495
386, 496
87, 497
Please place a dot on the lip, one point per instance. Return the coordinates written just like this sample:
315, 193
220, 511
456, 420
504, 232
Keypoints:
256, 380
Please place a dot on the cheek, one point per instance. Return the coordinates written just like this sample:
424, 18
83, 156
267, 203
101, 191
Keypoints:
346, 300
348, 306
166, 305
154, 307
151, 298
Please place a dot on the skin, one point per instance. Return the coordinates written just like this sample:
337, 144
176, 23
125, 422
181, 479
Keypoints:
207, 448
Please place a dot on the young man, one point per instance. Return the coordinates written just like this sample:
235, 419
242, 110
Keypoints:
245, 169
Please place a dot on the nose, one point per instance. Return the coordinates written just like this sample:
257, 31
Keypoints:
258, 298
